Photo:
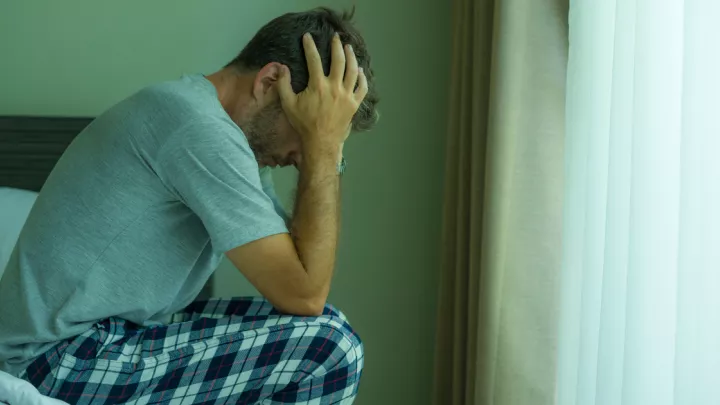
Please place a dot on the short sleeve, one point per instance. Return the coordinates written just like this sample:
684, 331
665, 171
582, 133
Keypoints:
268, 186
211, 168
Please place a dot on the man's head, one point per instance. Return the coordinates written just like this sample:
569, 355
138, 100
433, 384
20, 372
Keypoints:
280, 43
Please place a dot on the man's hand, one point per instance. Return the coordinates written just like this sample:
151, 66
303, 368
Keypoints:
322, 113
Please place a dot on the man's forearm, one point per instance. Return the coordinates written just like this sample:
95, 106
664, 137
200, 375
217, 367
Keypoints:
315, 223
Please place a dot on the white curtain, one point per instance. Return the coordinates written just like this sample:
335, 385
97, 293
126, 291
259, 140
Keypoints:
640, 316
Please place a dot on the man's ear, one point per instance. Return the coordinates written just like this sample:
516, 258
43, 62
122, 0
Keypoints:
264, 86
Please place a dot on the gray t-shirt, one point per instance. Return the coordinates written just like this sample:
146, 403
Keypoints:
134, 219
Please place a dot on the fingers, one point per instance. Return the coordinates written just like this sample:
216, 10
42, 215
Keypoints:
351, 69
362, 89
343, 69
314, 62
337, 67
284, 87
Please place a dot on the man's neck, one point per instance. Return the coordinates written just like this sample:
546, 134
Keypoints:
229, 84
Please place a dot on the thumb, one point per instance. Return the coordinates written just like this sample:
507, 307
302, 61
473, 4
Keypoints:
284, 85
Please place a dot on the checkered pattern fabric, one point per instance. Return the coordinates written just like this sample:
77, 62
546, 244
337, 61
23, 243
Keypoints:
239, 351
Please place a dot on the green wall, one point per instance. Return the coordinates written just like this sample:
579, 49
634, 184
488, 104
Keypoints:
79, 57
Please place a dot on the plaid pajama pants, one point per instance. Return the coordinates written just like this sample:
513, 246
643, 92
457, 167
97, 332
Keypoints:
239, 351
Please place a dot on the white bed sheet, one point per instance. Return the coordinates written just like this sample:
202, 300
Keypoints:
15, 205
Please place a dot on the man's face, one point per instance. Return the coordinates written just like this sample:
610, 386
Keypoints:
272, 138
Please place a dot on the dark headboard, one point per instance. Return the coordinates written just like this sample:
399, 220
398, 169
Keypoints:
30, 147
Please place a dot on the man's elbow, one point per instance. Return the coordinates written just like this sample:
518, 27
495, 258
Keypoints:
313, 306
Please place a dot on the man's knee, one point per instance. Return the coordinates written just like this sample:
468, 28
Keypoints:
349, 341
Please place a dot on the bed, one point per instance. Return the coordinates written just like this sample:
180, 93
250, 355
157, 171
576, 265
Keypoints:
30, 147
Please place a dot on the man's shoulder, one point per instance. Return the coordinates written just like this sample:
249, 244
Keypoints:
163, 110
209, 135
187, 95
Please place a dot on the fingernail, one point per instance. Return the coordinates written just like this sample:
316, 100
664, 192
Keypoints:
351, 48
361, 70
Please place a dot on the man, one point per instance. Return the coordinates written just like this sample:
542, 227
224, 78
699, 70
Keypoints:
95, 305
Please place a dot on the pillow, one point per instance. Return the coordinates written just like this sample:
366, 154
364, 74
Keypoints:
15, 206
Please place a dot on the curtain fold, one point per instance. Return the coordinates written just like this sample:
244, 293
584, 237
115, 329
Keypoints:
503, 205
641, 255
